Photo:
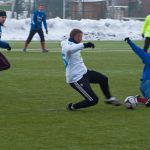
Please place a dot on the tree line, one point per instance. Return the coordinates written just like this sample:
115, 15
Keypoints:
53, 8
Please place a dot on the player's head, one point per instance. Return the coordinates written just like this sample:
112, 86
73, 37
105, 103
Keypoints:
76, 34
2, 17
41, 7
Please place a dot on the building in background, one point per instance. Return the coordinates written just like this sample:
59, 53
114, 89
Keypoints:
78, 9
145, 7
53, 8
136, 8
89, 9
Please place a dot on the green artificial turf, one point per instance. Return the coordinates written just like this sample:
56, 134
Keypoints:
34, 95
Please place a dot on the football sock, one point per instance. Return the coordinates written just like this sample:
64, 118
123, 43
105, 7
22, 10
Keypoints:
141, 100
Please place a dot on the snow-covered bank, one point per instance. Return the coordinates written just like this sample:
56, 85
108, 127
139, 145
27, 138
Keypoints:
104, 29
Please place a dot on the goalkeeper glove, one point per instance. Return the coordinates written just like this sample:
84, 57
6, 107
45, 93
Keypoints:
89, 45
127, 39
9, 48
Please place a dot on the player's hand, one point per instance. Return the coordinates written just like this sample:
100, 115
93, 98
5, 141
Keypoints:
127, 39
46, 31
143, 36
9, 48
89, 45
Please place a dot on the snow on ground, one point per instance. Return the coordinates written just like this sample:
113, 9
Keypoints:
104, 29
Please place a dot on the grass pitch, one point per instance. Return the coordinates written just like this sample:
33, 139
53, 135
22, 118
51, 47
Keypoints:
33, 98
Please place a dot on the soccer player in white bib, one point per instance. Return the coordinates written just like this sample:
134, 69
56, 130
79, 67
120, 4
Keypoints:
79, 77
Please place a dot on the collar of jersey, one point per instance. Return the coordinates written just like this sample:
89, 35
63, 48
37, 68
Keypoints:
72, 40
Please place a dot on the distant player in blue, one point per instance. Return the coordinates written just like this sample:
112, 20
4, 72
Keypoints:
37, 19
145, 78
4, 64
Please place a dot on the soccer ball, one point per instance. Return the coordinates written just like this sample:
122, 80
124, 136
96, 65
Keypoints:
130, 102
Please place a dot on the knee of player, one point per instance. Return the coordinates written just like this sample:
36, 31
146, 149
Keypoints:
42, 40
94, 101
105, 79
28, 41
8, 66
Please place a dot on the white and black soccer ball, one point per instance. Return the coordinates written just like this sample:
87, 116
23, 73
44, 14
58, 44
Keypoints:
130, 102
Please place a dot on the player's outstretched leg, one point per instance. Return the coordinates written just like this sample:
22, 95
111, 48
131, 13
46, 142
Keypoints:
142, 100
102, 80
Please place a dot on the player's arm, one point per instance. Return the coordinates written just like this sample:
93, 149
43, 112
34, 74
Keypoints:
5, 45
73, 48
45, 23
34, 19
140, 52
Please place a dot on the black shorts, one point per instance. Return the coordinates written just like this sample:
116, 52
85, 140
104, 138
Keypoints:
33, 32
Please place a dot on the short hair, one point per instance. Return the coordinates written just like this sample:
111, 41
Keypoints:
3, 13
74, 32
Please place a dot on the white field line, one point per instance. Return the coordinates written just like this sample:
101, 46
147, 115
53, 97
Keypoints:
57, 109
34, 41
86, 51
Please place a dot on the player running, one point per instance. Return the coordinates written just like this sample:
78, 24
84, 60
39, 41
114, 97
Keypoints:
37, 19
79, 77
4, 64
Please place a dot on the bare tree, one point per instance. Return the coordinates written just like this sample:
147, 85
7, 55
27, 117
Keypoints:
29, 8
18, 7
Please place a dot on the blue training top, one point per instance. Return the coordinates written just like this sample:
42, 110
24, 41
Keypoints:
2, 43
145, 57
36, 20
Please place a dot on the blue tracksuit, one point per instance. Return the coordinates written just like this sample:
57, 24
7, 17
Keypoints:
36, 21
145, 78
3, 44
